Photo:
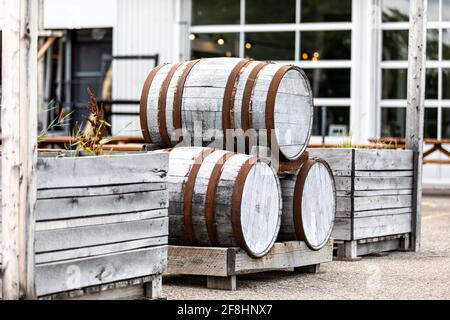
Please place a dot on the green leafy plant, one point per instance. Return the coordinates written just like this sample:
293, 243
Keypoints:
347, 142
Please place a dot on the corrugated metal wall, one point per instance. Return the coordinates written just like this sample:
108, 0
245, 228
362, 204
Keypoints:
143, 27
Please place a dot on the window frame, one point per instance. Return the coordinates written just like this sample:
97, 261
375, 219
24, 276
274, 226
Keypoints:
439, 64
296, 27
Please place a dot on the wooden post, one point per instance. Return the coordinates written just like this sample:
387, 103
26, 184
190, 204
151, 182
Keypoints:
19, 133
415, 106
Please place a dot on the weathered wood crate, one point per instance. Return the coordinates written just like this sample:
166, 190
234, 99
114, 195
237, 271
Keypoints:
101, 221
374, 198
222, 265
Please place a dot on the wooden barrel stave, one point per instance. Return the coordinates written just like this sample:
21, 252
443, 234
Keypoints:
309, 204
152, 104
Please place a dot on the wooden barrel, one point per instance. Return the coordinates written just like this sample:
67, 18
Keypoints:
229, 93
309, 204
220, 198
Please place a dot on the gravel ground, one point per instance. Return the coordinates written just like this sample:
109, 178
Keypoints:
395, 275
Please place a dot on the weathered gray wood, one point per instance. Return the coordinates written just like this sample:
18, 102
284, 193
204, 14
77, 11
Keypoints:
372, 226
352, 250
72, 238
221, 283
101, 170
19, 139
55, 256
285, 255
342, 229
347, 251
199, 260
99, 191
84, 227
416, 105
343, 204
339, 159
64, 208
153, 289
100, 220
389, 174
73, 274
314, 268
375, 226
382, 183
381, 202
382, 159
133, 289
384, 192
383, 212
343, 183
224, 262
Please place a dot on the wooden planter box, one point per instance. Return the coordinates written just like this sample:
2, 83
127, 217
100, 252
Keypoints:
100, 220
374, 196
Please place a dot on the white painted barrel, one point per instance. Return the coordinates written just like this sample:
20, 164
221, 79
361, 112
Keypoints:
220, 198
309, 204
228, 93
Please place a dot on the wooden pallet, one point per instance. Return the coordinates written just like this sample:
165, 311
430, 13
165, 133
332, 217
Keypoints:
348, 250
222, 265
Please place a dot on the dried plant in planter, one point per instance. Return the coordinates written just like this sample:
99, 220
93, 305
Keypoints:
92, 138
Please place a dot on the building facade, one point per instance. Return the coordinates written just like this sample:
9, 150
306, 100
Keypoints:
353, 51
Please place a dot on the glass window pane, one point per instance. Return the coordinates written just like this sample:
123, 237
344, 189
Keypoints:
214, 45
446, 44
317, 122
445, 123
215, 12
326, 10
394, 83
445, 83
430, 123
431, 85
432, 44
445, 10
393, 122
395, 45
325, 45
337, 121
433, 10
270, 45
329, 83
395, 10
270, 11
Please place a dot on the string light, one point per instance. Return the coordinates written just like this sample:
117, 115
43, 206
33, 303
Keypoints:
192, 36
220, 41
248, 45
305, 56
315, 56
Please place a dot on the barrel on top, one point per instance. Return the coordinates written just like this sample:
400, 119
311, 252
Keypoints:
229, 93
220, 198
309, 204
